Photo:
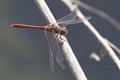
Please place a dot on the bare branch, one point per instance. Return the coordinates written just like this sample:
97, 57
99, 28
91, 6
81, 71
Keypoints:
94, 32
98, 12
66, 49
100, 56
94, 56
115, 48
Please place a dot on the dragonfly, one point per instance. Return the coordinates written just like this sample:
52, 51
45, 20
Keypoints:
52, 31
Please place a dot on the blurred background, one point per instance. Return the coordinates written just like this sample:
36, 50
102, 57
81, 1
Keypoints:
24, 52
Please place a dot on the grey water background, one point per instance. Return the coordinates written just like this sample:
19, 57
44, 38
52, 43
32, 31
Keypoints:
24, 52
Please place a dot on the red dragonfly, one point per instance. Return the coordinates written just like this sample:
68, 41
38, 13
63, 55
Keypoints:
51, 32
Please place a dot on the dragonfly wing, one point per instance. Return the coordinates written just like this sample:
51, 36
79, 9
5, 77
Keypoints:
51, 58
70, 16
75, 21
55, 50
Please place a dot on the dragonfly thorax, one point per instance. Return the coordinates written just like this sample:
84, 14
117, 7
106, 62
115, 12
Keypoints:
54, 29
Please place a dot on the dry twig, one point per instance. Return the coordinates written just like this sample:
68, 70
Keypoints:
66, 49
94, 32
98, 12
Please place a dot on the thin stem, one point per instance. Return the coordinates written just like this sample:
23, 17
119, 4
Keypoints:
98, 12
94, 32
65, 48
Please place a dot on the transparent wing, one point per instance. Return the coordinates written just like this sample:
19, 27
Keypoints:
51, 60
55, 51
69, 16
75, 21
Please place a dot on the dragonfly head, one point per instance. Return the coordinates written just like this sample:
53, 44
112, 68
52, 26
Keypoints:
64, 31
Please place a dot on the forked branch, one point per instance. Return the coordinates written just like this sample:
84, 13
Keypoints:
102, 41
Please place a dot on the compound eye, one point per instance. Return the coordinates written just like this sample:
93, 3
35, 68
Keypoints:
64, 28
64, 32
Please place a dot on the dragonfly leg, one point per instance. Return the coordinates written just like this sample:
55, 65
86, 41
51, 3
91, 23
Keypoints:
61, 41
